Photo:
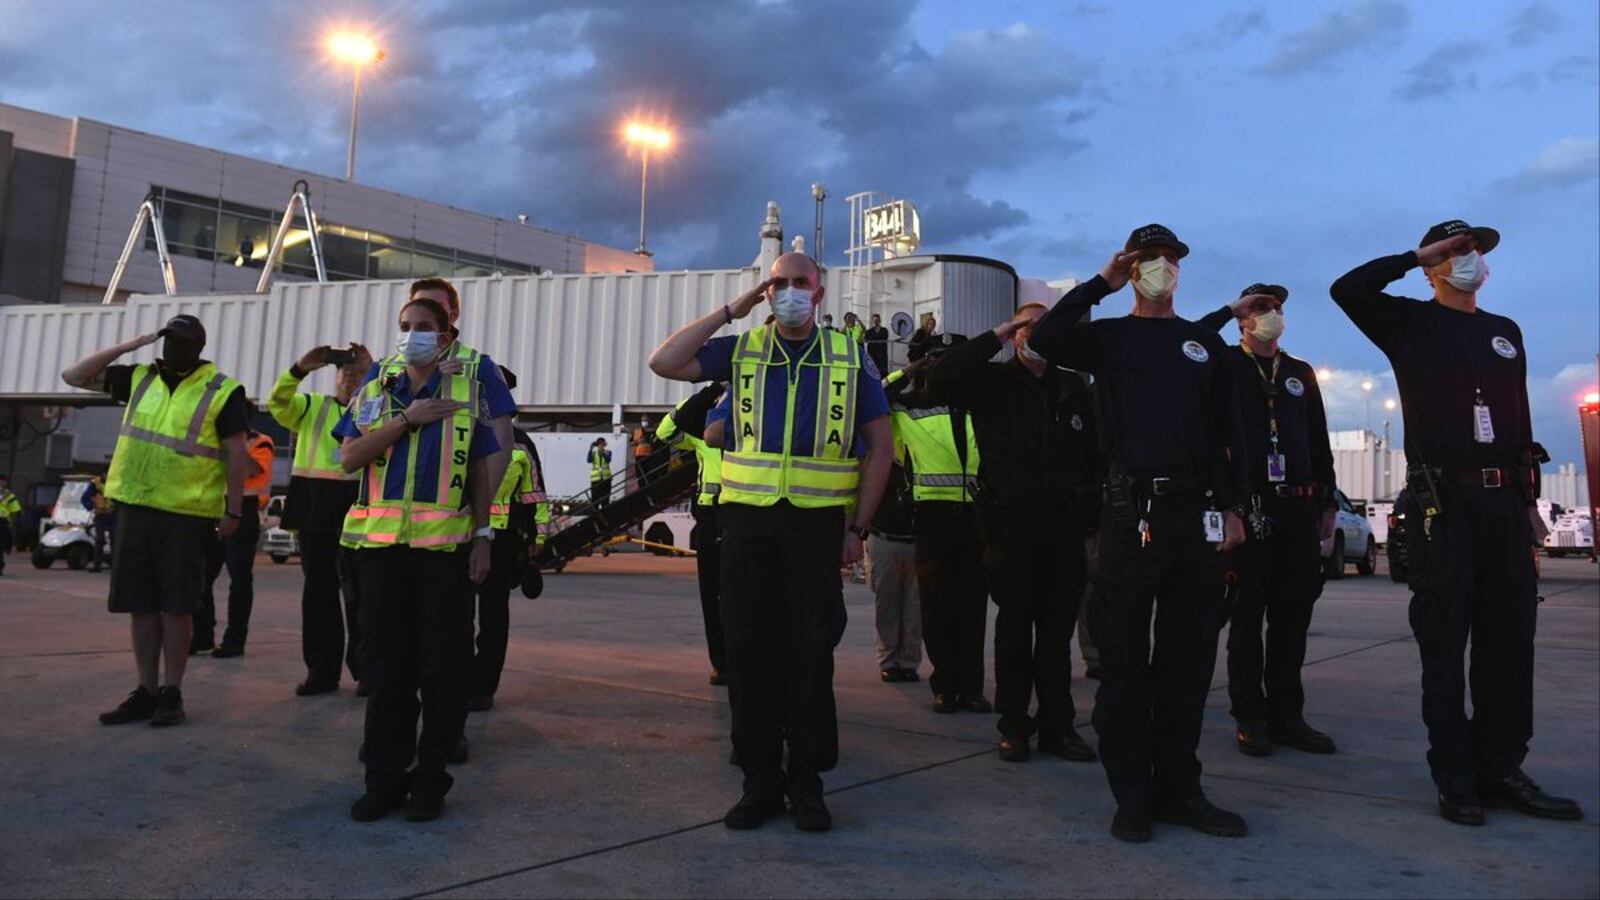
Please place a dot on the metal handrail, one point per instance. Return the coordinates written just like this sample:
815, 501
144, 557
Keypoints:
149, 212
302, 196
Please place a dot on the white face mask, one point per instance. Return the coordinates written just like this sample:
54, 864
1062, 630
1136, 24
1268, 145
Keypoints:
1468, 272
1158, 278
417, 347
1268, 325
792, 306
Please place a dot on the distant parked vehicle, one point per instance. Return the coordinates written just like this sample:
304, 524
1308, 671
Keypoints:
1395, 547
1351, 534
1572, 533
276, 541
64, 534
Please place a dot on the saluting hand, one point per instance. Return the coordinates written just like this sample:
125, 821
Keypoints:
1251, 304
1005, 330
749, 300
1439, 251
1120, 268
432, 409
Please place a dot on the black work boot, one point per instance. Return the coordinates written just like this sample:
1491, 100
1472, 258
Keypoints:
945, 703
752, 810
1297, 734
1519, 792
139, 707
811, 814
1014, 749
1067, 745
1461, 807
169, 707
1131, 823
1253, 739
374, 805
1195, 811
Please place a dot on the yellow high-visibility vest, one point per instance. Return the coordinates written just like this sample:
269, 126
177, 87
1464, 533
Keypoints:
378, 519
311, 417
516, 487
708, 459
168, 455
829, 475
927, 436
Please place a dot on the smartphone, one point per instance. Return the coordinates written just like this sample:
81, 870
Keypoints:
339, 356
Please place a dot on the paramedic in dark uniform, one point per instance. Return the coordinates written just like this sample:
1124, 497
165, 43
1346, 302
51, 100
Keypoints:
1175, 476
808, 444
1291, 511
1472, 525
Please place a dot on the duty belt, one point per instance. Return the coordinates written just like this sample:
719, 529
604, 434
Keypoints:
1294, 490
1490, 477
1175, 486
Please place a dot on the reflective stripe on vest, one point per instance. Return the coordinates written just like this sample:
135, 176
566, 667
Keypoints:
929, 439
829, 476
519, 475
168, 455
376, 520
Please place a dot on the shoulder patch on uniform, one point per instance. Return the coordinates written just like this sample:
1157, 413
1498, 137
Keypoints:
1196, 351
1504, 347
1294, 386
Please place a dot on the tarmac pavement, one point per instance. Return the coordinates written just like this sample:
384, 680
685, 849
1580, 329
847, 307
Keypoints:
603, 769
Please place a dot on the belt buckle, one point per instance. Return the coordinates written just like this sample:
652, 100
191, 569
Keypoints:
1158, 486
1491, 478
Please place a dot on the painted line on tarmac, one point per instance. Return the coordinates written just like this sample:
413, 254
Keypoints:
534, 867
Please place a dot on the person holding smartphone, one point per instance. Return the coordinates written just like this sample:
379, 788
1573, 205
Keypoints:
320, 493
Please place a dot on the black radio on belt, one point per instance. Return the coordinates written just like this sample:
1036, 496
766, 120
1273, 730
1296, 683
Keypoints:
1121, 506
1425, 488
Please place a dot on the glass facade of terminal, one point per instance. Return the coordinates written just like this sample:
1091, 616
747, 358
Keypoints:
233, 234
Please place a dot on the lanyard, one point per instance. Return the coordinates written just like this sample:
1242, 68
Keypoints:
1271, 383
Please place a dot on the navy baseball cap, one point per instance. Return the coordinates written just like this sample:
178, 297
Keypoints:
1154, 235
185, 326
1488, 238
1275, 290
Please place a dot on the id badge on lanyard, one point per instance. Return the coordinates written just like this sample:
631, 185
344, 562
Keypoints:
1482, 422
1277, 468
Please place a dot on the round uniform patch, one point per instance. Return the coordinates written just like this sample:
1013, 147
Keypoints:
1504, 347
1077, 422
1294, 386
1195, 351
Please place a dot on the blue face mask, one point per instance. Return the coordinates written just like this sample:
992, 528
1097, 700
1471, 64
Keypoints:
792, 306
417, 347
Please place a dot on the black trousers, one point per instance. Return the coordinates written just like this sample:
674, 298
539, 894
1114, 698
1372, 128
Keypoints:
238, 554
5, 542
954, 596
330, 631
1280, 580
494, 616
1151, 702
706, 539
416, 622
782, 613
1472, 577
100, 532
600, 493
1036, 576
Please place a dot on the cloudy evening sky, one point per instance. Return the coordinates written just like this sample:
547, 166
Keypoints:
1283, 142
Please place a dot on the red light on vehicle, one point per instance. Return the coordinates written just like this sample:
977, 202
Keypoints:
1394, 521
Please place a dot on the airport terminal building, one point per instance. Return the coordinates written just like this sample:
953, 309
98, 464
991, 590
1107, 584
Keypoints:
70, 189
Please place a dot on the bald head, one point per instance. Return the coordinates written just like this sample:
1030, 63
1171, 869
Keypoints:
794, 265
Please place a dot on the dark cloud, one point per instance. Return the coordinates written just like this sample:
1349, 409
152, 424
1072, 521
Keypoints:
1444, 71
1574, 68
512, 107
1532, 22
1364, 26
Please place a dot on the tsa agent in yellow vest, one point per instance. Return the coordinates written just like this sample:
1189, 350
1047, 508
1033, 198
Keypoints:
419, 534
806, 458
177, 475
320, 493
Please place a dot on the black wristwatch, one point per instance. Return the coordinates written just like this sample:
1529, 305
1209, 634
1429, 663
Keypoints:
858, 531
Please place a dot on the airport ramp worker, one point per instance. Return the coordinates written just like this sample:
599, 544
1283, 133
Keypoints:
420, 539
1472, 478
320, 493
1292, 510
513, 505
238, 553
687, 423
10, 510
177, 474
938, 446
1175, 459
599, 474
809, 441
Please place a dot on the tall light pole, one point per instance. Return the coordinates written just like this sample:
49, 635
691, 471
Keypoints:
357, 50
1366, 388
646, 138
1388, 407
